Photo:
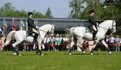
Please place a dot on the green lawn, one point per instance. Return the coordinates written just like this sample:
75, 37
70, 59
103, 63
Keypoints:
60, 61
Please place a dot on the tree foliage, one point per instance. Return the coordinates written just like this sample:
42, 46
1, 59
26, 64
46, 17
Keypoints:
77, 7
48, 13
9, 11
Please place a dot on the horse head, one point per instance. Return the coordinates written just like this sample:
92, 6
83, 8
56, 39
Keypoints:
51, 30
113, 27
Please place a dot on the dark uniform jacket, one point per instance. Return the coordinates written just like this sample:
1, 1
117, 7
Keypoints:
91, 22
30, 25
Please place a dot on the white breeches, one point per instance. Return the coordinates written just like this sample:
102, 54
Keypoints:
34, 30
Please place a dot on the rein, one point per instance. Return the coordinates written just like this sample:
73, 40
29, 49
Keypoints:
42, 30
104, 28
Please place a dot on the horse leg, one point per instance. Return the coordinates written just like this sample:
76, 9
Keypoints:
39, 44
79, 44
15, 47
94, 44
43, 47
103, 42
71, 46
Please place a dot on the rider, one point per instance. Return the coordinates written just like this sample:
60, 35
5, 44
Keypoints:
92, 24
32, 27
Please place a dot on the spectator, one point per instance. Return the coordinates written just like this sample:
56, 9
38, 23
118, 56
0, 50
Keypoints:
57, 42
120, 43
68, 45
46, 42
117, 43
74, 46
111, 41
1, 44
52, 43
107, 39
61, 41
85, 45
65, 40
3, 39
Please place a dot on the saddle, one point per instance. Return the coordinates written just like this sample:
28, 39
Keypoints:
87, 30
32, 35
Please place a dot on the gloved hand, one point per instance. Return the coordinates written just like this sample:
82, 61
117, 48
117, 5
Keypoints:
37, 27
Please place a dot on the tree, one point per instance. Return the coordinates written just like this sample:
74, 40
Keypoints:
77, 6
118, 6
95, 5
6, 9
78, 10
48, 12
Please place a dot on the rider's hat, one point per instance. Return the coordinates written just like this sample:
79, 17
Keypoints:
91, 11
30, 13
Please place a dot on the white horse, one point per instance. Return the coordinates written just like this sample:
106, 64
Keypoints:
21, 35
79, 32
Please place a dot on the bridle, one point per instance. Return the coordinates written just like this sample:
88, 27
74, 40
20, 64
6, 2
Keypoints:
104, 28
113, 25
52, 29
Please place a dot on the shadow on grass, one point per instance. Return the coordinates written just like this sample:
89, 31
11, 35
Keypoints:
80, 54
25, 54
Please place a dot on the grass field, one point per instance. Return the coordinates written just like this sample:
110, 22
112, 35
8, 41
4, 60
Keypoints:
60, 61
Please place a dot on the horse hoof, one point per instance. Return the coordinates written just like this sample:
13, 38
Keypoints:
110, 53
91, 53
69, 53
83, 52
42, 54
19, 55
14, 54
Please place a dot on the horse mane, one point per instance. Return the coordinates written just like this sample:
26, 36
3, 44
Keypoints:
44, 25
105, 22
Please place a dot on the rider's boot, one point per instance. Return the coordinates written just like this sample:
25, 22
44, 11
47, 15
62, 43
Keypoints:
94, 35
35, 38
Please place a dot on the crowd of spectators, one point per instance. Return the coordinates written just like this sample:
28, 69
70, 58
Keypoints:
114, 43
59, 43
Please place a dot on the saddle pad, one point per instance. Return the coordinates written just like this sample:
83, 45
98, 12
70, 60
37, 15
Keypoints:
87, 30
29, 35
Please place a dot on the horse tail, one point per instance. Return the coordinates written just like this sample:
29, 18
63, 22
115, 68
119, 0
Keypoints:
8, 39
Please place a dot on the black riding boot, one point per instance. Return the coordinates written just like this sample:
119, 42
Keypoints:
35, 38
94, 35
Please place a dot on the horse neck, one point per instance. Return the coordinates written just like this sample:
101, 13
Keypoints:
45, 28
106, 24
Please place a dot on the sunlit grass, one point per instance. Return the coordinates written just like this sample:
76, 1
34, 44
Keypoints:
56, 60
